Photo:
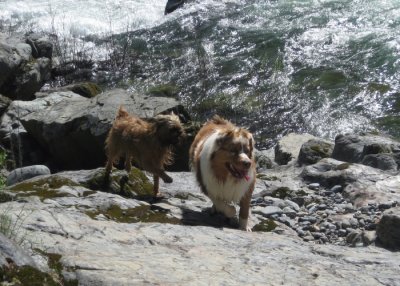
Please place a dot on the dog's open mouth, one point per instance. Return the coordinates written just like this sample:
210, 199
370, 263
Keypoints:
239, 174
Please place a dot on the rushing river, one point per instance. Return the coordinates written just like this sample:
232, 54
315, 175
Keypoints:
323, 67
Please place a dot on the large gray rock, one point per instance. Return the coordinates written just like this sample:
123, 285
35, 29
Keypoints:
41, 46
77, 225
22, 75
72, 128
288, 147
11, 253
24, 148
388, 230
4, 103
372, 150
314, 150
362, 184
13, 53
24, 173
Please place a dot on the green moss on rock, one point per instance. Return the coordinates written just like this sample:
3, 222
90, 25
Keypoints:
86, 89
44, 188
267, 225
281, 193
132, 215
26, 275
266, 177
5, 197
343, 166
54, 263
134, 185
166, 90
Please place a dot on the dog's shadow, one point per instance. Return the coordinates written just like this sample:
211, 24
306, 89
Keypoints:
188, 216
207, 218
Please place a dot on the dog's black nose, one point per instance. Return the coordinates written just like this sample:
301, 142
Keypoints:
246, 164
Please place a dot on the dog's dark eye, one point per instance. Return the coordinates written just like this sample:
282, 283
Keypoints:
176, 131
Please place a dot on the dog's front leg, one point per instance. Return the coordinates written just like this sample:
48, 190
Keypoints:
245, 210
128, 164
165, 177
156, 181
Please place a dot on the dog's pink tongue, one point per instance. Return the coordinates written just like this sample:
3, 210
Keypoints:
246, 176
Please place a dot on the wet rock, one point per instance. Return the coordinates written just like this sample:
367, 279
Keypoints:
24, 173
314, 150
288, 147
388, 229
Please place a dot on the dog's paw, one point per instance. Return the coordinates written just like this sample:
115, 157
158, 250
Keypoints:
168, 180
243, 225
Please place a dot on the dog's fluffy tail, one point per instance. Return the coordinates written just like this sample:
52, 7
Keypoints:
122, 113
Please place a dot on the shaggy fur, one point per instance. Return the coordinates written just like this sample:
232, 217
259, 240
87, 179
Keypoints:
147, 142
222, 158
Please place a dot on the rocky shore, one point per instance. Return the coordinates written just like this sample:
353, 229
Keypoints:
323, 212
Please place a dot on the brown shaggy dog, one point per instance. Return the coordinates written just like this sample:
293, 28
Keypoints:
148, 142
222, 158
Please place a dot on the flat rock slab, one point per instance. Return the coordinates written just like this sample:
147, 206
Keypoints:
101, 251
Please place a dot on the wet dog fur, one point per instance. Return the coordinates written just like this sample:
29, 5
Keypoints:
221, 156
148, 142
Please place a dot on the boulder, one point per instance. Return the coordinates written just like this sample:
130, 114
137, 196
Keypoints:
86, 89
384, 161
72, 128
41, 46
172, 5
388, 230
24, 148
365, 149
13, 54
140, 237
263, 159
288, 148
24, 173
4, 103
314, 150
11, 253
362, 184
22, 75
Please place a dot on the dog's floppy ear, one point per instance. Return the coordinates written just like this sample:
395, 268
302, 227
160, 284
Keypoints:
251, 145
224, 137
122, 112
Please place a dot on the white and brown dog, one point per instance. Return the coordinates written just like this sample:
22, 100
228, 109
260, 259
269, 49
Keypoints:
222, 158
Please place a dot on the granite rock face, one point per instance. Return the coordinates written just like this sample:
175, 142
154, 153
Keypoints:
72, 129
23, 72
372, 150
25, 173
314, 150
388, 230
167, 241
288, 147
